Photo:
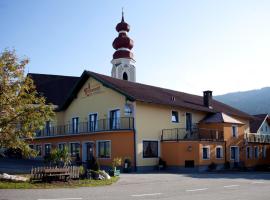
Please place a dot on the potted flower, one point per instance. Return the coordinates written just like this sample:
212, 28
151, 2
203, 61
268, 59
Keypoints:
115, 163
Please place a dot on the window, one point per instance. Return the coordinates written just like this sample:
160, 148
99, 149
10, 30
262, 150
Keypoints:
61, 146
115, 119
150, 149
75, 149
31, 146
104, 149
47, 148
125, 76
219, 152
93, 122
39, 150
264, 152
249, 152
266, 129
206, 153
175, 118
256, 152
75, 125
234, 130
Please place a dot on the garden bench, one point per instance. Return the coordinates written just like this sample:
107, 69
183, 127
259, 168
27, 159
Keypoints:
56, 173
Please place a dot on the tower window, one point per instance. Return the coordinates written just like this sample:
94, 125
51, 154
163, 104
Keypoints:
125, 76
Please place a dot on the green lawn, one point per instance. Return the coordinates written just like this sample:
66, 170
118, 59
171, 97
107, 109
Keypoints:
70, 184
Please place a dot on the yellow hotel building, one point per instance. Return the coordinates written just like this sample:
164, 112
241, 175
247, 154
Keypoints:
108, 117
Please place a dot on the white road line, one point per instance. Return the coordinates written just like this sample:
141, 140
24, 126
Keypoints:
142, 195
257, 182
199, 189
62, 199
229, 186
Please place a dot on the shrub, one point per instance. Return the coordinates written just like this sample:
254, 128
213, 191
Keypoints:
116, 162
81, 171
93, 164
212, 166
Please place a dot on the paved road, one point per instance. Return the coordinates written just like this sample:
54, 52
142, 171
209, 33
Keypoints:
240, 186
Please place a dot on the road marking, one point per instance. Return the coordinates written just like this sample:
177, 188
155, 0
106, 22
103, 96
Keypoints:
62, 199
257, 182
199, 189
141, 195
229, 186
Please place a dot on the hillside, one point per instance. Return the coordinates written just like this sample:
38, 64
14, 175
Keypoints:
252, 101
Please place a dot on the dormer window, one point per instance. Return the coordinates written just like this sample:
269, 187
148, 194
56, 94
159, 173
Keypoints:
175, 118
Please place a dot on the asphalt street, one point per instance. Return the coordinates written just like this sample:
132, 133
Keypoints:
235, 186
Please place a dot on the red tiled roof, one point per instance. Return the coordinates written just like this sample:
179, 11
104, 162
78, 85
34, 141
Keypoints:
156, 95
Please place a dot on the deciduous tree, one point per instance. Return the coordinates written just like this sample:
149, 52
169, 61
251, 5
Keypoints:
22, 110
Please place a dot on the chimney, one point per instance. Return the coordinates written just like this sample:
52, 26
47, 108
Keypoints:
207, 98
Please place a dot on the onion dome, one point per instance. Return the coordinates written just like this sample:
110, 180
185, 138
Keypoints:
122, 44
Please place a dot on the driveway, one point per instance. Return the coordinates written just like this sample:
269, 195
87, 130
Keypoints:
246, 186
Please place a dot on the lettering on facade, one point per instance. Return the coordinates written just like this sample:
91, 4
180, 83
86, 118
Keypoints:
90, 90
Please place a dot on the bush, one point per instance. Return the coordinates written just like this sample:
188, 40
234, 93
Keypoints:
212, 166
116, 162
263, 167
93, 164
82, 171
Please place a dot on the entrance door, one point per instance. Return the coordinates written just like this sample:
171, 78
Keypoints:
88, 151
235, 154
188, 122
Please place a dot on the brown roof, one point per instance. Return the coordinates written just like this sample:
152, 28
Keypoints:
54, 88
220, 118
150, 94
257, 121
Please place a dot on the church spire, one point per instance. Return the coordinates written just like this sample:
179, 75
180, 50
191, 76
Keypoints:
123, 55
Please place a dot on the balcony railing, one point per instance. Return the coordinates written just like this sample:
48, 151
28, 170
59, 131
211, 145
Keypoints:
257, 138
124, 123
181, 134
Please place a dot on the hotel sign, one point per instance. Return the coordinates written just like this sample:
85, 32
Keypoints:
90, 90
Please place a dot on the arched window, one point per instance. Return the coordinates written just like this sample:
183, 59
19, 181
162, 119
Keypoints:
125, 76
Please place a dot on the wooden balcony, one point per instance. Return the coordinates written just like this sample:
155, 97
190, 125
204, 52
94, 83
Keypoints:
257, 138
102, 125
196, 134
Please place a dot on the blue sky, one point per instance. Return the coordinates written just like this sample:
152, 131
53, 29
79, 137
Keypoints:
188, 46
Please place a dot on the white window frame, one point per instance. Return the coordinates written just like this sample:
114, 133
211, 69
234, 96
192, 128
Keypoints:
250, 153
178, 116
221, 152
97, 149
236, 133
151, 140
208, 153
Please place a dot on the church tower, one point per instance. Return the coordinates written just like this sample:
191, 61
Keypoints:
123, 62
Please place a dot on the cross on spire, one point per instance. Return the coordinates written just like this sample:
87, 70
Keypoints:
122, 14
